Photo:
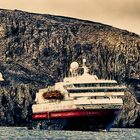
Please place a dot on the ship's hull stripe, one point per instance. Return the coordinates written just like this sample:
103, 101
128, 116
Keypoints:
76, 113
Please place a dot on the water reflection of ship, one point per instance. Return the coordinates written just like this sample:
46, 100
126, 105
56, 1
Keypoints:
79, 102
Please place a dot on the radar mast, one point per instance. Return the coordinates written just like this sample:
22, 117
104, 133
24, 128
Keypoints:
86, 70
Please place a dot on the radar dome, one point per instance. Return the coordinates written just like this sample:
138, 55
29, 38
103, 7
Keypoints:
74, 66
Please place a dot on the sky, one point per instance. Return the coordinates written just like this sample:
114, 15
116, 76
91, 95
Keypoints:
124, 14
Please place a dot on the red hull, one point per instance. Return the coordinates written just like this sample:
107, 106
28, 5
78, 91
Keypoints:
77, 119
75, 114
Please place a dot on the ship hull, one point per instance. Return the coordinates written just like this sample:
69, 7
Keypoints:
97, 119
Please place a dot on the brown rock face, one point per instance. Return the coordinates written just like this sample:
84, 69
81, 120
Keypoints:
38, 49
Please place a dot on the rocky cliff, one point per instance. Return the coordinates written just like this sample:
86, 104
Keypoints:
36, 50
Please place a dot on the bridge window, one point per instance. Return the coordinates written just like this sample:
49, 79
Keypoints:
95, 90
95, 85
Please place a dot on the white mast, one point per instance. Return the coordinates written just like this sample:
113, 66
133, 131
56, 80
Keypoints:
86, 70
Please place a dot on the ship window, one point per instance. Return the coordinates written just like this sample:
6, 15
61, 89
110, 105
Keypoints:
95, 90
95, 85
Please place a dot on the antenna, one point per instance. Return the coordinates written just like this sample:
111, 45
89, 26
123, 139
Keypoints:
84, 62
86, 70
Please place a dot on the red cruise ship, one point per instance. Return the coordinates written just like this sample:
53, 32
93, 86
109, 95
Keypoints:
79, 102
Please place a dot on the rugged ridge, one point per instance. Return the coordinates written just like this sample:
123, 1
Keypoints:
37, 49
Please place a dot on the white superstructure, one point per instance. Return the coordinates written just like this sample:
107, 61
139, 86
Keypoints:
1, 77
81, 91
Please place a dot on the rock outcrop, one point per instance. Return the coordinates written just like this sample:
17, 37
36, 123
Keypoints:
36, 50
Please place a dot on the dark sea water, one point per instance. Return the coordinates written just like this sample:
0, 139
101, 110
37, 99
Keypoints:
18, 133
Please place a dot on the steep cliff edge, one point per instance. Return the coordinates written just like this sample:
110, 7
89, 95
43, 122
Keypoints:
36, 50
